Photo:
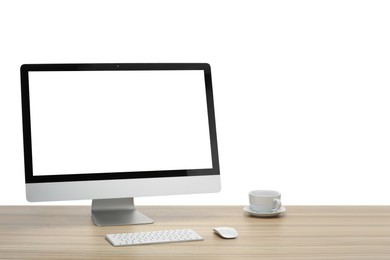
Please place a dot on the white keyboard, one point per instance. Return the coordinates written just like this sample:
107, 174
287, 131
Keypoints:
153, 237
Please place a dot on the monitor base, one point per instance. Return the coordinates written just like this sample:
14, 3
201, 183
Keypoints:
116, 212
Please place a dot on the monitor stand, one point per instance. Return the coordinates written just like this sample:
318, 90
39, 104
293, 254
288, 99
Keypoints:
116, 212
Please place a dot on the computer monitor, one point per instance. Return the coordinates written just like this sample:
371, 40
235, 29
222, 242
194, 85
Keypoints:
112, 132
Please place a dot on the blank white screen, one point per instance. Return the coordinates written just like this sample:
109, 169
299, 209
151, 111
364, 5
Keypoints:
118, 121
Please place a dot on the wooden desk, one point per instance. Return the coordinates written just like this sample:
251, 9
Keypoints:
304, 232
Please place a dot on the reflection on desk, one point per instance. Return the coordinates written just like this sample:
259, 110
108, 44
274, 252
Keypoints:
303, 232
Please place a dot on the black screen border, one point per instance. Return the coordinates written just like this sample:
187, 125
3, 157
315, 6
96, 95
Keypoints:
28, 157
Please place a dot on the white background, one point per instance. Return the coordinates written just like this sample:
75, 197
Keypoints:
301, 88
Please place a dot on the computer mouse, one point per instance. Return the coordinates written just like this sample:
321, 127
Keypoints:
226, 232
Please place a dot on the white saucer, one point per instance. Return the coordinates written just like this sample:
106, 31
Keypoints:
264, 214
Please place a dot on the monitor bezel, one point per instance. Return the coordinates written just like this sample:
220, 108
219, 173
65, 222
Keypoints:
26, 117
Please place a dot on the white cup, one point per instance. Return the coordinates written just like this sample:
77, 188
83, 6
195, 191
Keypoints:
265, 200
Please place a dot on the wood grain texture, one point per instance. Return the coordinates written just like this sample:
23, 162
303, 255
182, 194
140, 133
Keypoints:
303, 232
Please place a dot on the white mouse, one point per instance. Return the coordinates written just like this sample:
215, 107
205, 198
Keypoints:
226, 232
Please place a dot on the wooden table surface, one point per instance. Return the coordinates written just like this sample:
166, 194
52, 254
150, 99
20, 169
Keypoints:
303, 232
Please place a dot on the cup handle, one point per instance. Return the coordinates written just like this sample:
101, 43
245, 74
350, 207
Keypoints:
278, 204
